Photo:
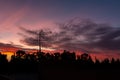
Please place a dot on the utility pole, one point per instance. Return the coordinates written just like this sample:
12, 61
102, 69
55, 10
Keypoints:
41, 36
39, 41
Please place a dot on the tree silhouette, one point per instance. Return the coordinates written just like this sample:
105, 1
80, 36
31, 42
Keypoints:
97, 62
20, 53
3, 59
84, 56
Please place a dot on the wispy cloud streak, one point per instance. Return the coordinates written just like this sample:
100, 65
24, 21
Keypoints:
78, 34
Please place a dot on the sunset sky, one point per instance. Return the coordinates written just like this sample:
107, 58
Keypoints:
78, 25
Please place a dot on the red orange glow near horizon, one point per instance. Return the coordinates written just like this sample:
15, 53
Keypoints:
40, 14
100, 56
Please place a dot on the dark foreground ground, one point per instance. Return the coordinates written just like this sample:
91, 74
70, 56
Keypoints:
65, 73
83, 73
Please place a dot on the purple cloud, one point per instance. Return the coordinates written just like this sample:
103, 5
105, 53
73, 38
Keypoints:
79, 34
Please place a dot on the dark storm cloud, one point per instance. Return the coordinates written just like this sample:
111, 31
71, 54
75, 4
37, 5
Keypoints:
30, 37
90, 35
110, 41
9, 45
83, 35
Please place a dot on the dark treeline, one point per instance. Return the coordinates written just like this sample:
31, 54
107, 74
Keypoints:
22, 61
60, 66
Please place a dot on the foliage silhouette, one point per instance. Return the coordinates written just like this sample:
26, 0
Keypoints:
60, 65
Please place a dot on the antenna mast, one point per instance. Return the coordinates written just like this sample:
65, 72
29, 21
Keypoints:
39, 41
